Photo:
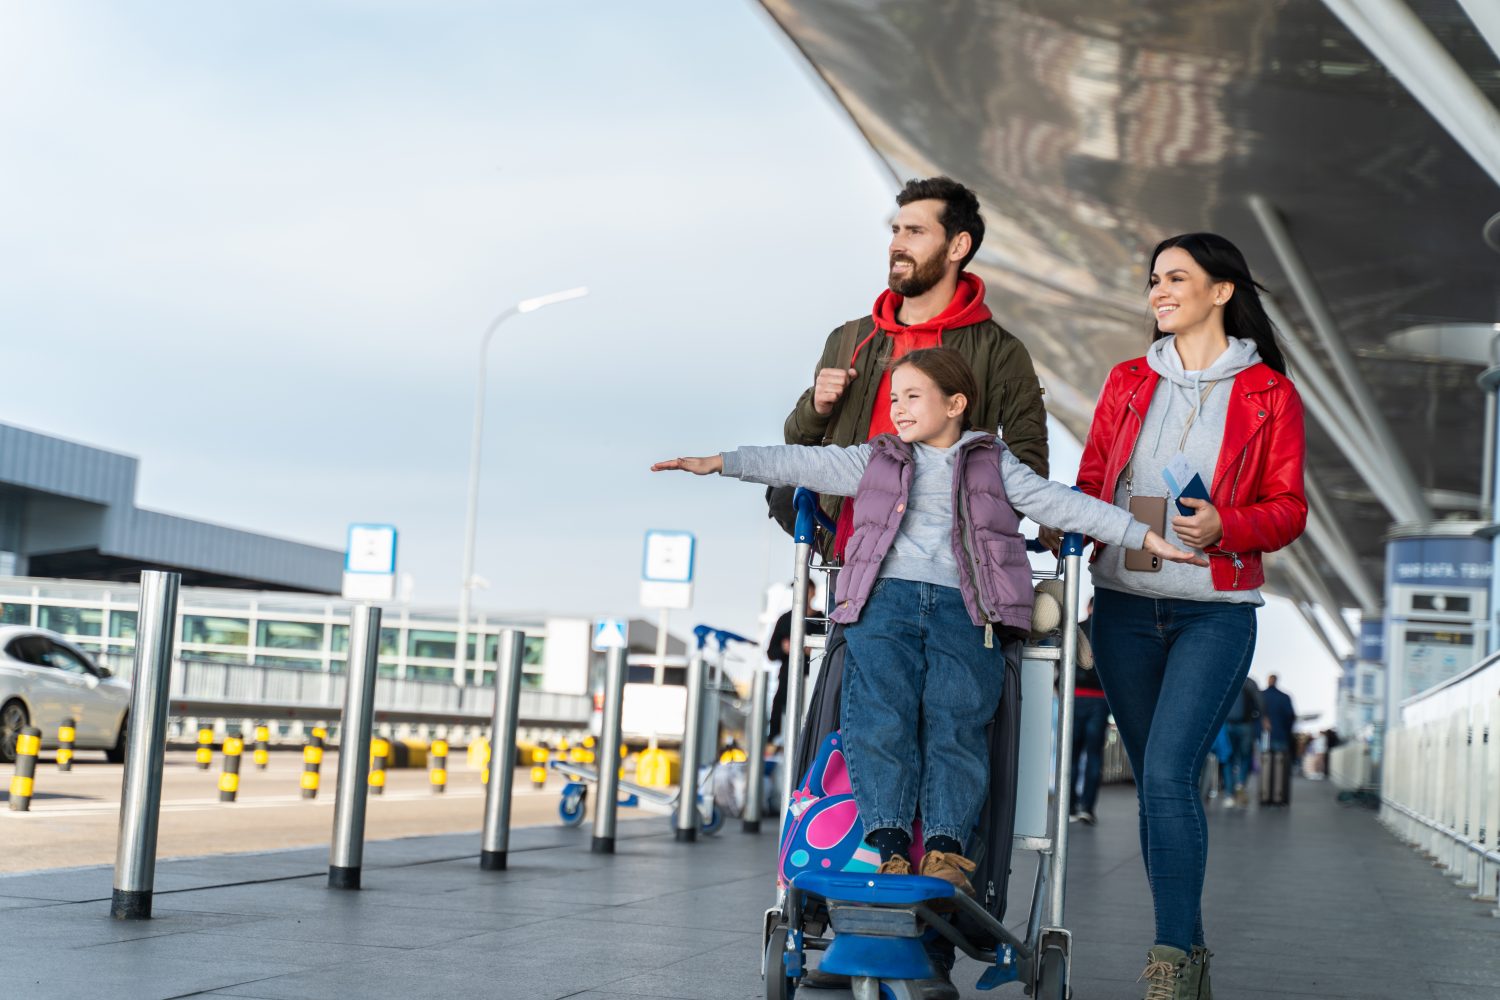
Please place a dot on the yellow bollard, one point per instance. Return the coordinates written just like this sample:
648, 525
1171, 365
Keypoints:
312, 762
66, 734
229, 781
380, 752
733, 755
23, 782
539, 767
205, 748
262, 747
439, 773
483, 756
588, 749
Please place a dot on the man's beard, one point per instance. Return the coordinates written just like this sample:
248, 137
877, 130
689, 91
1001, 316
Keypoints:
922, 278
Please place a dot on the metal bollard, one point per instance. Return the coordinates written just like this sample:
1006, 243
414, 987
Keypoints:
205, 748
609, 753
146, 744
23, 782
495, 841
229, 780
755, 737
347, 856
312, 762
539, 766
380, 752
438, 776
66, 734
262, 747
685, 829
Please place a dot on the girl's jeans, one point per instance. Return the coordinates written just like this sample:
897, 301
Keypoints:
919, 689
1172, 670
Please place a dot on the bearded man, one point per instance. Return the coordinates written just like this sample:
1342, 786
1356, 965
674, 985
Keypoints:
932, 301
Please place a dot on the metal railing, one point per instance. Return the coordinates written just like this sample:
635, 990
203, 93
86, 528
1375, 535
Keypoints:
1440, 777
216, 689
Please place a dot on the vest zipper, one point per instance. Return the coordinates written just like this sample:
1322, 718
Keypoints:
964, 528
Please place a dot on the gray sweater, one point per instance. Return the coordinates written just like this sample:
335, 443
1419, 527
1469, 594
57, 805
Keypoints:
1179, 395
923, 549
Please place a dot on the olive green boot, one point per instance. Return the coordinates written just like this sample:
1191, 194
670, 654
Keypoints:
1169, 975
1199, 957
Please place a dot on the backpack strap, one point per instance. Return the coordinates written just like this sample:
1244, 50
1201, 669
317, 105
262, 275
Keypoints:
850, 335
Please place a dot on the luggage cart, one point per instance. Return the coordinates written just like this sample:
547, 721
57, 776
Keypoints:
572, 804
877, 924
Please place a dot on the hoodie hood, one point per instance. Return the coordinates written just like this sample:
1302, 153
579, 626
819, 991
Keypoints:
1192, 386
966, 309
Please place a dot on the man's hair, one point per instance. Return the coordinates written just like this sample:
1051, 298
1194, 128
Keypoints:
960, 212
949, 370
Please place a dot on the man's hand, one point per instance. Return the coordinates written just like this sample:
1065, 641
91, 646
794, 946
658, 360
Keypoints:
829, 388
707, 466
1202, 529
1050, 537
1163, 549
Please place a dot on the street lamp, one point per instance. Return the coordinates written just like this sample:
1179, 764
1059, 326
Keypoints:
466, 587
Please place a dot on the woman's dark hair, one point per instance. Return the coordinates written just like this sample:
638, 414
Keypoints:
1244, 315
960, 212
948, 369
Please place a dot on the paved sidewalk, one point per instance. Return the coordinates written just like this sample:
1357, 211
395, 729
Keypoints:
1315, 901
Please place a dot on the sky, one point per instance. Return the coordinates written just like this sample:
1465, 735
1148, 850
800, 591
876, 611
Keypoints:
255, 245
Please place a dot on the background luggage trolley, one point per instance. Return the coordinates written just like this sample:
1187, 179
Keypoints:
878, 924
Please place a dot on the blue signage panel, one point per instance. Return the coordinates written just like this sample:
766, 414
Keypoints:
1449, 562
1372, 640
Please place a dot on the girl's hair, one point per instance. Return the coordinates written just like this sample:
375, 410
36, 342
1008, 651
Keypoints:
1244, 315
948, 369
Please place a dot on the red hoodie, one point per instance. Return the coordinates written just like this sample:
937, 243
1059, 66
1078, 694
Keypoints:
966, 309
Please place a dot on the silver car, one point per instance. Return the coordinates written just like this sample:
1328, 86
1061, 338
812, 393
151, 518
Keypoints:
45, 679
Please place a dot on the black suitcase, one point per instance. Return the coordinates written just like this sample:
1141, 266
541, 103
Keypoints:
1276, 778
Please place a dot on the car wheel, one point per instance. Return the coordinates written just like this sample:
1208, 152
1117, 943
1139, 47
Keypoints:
13, 718
116, 753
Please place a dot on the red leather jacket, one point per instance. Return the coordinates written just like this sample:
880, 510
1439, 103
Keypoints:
1257, 484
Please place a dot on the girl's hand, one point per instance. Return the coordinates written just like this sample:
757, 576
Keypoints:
707, 466
1202, 529
1162, 549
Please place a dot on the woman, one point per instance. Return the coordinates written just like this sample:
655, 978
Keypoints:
1209, 402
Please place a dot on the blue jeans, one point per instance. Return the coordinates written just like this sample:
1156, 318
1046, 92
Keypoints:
1090, 722
1172, 670
919, 688
1241, 750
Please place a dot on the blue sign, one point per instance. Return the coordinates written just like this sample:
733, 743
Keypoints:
1372, 640
610, 634
1450, 562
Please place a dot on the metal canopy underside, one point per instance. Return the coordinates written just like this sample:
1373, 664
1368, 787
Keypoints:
1092, 129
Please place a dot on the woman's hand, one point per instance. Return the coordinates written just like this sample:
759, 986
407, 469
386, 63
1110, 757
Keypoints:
1202, 529
706, 466
1163, 549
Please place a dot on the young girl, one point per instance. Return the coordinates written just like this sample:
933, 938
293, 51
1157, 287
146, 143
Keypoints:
934, 568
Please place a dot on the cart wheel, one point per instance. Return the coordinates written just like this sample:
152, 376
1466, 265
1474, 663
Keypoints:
570, 807
899, 989
779, 986
715, 823
1052, 984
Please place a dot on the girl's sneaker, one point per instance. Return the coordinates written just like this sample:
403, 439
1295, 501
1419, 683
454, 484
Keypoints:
952, 868
897, 865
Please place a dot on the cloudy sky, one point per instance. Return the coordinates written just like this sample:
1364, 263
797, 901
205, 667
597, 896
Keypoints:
255, 245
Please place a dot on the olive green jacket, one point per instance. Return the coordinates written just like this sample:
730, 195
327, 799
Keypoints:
1010, 395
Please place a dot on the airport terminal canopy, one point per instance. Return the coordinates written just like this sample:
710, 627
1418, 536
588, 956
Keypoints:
68, 510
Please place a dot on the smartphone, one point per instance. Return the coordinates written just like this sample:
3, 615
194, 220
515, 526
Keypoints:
1152, 512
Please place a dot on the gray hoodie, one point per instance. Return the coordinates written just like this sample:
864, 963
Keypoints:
1203, 396
923, 549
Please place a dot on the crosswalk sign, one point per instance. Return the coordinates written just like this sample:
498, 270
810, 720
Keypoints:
609, 633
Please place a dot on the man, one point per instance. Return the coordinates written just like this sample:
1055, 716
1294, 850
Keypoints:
779, 648
931, 300
1243, 725
1278, 717
1090, 726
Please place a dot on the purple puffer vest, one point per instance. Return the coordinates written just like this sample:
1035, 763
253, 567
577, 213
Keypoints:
994, 574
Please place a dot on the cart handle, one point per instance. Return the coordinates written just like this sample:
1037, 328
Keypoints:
809, 516
725, 637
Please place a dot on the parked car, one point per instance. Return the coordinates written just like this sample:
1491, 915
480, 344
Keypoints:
45, 679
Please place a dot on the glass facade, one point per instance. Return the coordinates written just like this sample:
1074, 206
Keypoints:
71, 621
15, 614
215, 631
290, 635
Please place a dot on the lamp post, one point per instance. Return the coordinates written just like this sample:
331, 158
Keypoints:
466, 586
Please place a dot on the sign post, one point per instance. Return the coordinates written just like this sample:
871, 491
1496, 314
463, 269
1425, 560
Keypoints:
666, 583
